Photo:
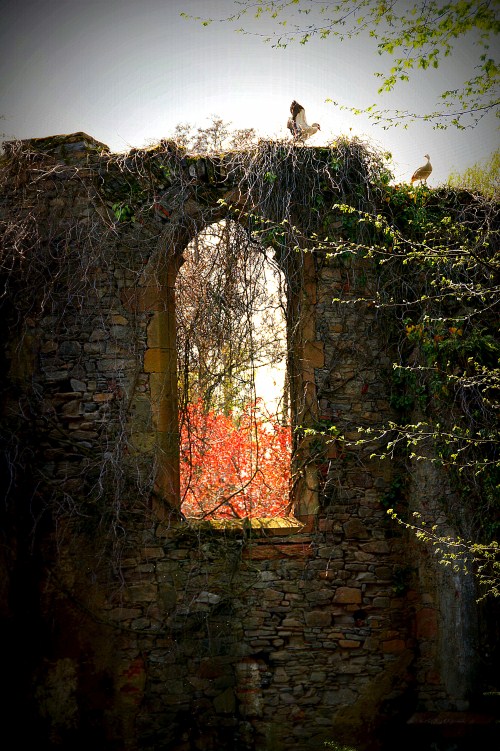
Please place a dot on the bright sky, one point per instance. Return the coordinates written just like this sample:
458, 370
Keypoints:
127, 71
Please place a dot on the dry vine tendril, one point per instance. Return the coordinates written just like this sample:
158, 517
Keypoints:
436, 283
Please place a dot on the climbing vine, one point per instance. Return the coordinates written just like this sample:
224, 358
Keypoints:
432, 253
439, 272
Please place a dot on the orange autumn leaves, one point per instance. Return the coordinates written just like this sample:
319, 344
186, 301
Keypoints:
235, 465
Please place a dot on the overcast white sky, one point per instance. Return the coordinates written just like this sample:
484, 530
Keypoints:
127, 71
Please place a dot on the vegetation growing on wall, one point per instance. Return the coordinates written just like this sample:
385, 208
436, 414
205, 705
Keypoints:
439, 274
436, 262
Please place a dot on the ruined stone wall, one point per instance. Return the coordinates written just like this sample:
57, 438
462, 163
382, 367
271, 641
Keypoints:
156, 634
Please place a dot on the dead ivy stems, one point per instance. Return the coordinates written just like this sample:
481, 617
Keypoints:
441, 271
49, 268
219, 293
284, 192
282, 187
80, 251
285, 187
61, 269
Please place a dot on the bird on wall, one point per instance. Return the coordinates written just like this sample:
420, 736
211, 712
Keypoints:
298, 125
422, 173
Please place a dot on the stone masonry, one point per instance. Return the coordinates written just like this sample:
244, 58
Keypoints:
154, 633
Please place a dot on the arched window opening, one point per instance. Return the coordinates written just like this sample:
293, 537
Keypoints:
234, 411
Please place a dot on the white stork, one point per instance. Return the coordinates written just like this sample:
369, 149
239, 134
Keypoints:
297, 123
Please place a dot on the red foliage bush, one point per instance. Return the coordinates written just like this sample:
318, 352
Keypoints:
236, 465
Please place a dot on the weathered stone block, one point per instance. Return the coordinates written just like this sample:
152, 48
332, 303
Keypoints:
341, 696
71, 409
225, 703
156, 360
107, 396
354, 529
393, 645
141, 299
143, 443
319, 618
313, 354
377, 546
426, 622
70, 349
349, 644
347, 595
292, 623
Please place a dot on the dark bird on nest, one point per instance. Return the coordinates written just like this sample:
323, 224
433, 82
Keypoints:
298, 125
422, 173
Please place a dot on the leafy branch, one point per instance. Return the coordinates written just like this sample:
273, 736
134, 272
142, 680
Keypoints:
482, 560
419, 36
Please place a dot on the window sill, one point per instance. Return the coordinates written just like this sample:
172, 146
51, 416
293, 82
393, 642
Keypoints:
258, 527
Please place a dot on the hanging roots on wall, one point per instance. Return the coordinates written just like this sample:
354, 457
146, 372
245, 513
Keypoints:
77, 231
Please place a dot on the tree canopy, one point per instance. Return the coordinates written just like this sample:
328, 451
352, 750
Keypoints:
410, 35
482, 177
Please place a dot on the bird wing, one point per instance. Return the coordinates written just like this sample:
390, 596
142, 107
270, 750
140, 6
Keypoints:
298, 114
300, 119
422, 172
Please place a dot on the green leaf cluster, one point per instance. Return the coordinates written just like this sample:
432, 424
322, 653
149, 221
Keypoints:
410, 36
